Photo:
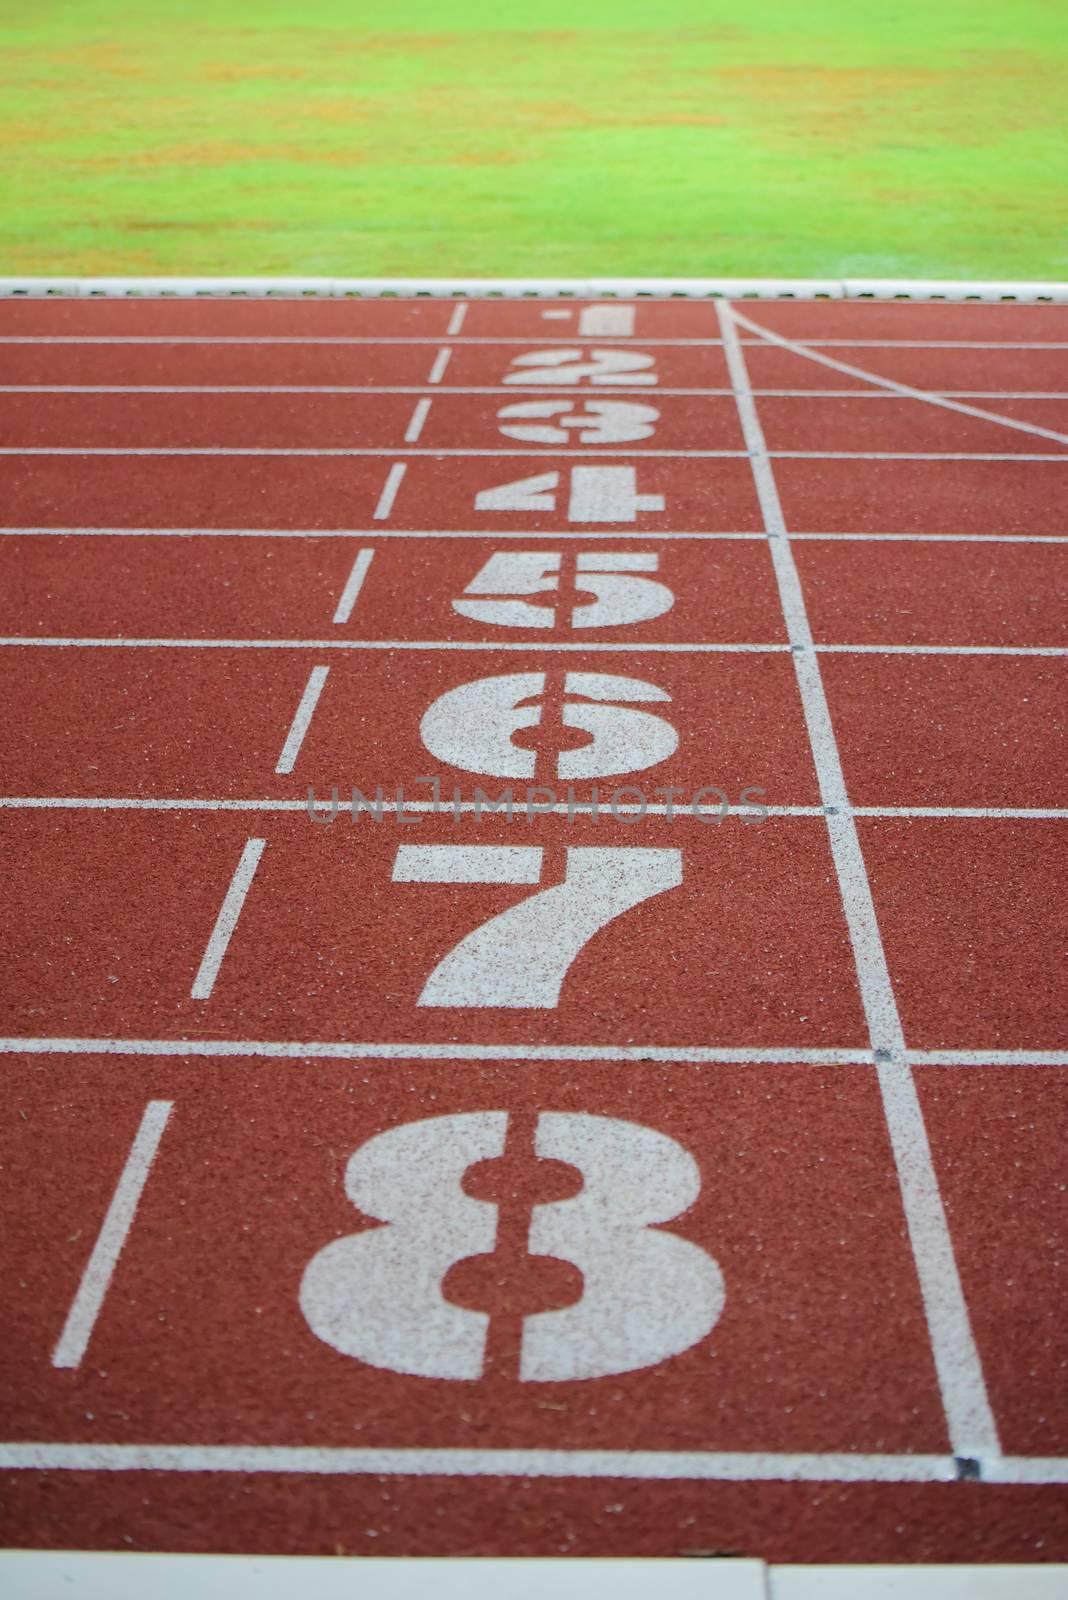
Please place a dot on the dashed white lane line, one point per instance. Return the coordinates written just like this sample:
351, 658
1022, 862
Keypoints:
418, 420
392, 484
226, 922
100, 1268
353, 585
441, 361
302, 718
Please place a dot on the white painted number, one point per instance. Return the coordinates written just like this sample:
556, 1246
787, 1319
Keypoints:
520, 957
472, 725
646, 1295
377, 1295
563, 422
621, 596
597, 494
553, 368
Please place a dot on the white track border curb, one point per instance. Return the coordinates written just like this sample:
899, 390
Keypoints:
133, 1575
934, 290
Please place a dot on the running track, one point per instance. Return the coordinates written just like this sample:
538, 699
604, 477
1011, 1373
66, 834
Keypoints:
713, 1202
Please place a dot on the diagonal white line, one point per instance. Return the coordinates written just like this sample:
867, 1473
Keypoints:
420, 412
441, 361
389, 490
226, 922
353, 585
302, 718
96, 1279
891, 384
960, 1375
456, 321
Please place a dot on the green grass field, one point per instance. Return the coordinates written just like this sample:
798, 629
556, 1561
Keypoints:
436, 137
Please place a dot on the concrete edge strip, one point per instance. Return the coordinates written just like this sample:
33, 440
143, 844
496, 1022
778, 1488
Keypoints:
911, 289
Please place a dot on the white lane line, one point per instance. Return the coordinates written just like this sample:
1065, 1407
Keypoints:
402, 1050
567, 390
392, 533
529, 339
302, 719
226, 922
79, 451
972, 1429
989, 1058
497, 645
942, 649
388, 807
456, 321
353, 585
122, 642
740, 1466
350, 1050
99, 1270
389, 490
418, 420
441, 361
905, 389
513, 533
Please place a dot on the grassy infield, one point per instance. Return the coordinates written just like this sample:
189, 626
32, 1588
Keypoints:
675, 137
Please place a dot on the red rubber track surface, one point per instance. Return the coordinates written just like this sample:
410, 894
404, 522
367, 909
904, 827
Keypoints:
821, 1062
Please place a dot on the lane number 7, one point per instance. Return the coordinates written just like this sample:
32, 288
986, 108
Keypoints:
520, 957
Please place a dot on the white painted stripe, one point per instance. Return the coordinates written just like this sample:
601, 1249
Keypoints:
950, 289
579, 808
809, 353
989, 1058
970, 1420
376, 454
353, 585
441, 361
302, 718
456, 321
226, 922
455, 390
388, 807
388, 644
515, 533
28, 641
730, 1466
436, 453
350, 1050
389, 490
415, 426
1027, 1469
762, 337
942, 649
370, 533
100, 1268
